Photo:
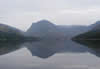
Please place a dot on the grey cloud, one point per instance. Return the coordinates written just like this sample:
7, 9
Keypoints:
27, 11
38, 5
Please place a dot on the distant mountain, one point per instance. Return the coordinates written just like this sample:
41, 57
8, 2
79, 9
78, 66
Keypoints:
95, 26
71, 31
44, 29
93, 34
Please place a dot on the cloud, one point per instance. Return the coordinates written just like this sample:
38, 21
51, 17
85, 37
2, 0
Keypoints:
21, 13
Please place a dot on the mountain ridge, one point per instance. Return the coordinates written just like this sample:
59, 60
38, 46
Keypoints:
92, 34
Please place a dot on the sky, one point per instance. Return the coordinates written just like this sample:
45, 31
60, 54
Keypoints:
22, 13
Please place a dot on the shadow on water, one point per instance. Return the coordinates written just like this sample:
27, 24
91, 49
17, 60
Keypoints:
92, 44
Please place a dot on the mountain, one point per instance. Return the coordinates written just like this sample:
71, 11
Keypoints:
93, 34
44, 29
9, 29
73, 30
11, 33
95, 26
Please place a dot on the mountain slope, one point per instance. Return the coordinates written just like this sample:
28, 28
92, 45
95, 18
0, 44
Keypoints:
44, 29
11, 33
95, 26
9, 29
71, 31
93, 34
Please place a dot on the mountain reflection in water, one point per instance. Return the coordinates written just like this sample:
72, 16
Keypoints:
93, 44
7, 47
48, 54
45, 48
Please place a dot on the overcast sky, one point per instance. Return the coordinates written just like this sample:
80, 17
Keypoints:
21, 13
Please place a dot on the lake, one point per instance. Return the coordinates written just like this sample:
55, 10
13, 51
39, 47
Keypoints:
48, 54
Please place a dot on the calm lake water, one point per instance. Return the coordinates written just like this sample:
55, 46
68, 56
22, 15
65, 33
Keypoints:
48, 54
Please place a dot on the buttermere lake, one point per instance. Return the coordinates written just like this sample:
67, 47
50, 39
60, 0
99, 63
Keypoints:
48, 54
